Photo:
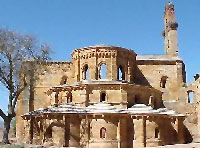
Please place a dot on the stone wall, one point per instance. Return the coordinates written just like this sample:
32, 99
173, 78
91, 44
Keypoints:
35, 95
95, 57
190, 108
151, 73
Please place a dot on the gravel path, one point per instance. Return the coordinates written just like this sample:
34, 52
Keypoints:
191, 145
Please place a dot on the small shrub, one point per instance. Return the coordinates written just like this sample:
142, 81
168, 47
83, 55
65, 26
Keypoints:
185, 85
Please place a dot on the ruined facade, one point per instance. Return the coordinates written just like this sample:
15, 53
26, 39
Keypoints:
110, 97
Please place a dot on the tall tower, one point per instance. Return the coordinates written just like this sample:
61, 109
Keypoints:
170, 32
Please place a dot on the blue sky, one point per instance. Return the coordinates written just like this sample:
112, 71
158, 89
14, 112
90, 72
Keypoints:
135, 24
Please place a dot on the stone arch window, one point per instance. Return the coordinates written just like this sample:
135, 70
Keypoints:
69, 98
85, 72
120, 73
56, 97
63, 80
157, 132
103, 97
163, 81
102, 71
190, 96
103, 133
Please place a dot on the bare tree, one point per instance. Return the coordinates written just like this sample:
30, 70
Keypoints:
14, 50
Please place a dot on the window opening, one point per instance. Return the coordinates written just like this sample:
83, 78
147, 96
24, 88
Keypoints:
103, 97
120, 74
69, 98
85, 72
163, 82
156, 132
103, 133
151, 101
56, 97
102, 71
190, 97
63, 80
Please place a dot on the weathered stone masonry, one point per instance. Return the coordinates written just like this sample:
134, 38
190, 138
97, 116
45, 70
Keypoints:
110, 97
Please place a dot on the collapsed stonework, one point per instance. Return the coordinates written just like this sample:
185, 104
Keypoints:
109, 97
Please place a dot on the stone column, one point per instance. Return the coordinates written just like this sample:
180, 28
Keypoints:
129, 71
144, 130
84, 132
45, 128
35, 131
130, 132
67, 130
74, 132
41, 130
27, 134
118, 133
113, 66
140, 132
76, 66
180, 130
93, 66
122, 126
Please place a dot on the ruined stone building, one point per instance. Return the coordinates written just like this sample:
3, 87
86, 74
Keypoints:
110, 97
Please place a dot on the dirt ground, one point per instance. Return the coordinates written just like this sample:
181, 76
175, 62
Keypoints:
190, 145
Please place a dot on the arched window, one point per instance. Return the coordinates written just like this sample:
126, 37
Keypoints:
103, 97
163, 82
157, 132
56, 97
151, 101
102, 73
69, 98
120, 73
190, 96
63, 80
103, 133
85, 72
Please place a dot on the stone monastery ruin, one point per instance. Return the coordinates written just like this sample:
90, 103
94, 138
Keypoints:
110, 97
